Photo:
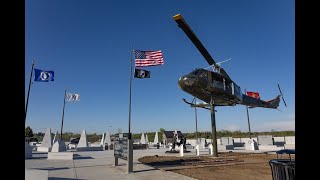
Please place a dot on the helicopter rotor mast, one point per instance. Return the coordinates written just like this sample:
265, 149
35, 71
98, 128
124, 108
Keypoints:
218, 63
191, 35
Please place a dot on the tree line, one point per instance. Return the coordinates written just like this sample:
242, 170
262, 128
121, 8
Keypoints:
67, 136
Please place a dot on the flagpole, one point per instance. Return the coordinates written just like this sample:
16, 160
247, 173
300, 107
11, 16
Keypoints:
130, 91
64, 103
245, 91
130, 140
25, 118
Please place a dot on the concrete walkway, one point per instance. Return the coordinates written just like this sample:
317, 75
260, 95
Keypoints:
98, 165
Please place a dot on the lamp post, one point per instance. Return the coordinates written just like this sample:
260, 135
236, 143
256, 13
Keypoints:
248, 117
195, 112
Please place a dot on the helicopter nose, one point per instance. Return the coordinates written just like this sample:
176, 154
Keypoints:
185, 80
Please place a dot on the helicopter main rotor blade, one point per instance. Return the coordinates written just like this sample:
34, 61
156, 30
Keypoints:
187, 30
282, 96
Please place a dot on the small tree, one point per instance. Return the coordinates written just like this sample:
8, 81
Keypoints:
160, 134
119, 130
161, 130
28, 132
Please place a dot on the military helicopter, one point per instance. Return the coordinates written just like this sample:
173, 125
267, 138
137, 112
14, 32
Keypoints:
216, 86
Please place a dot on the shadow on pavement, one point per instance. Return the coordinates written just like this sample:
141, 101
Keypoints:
59, 178
145, 170
40, 157
82, 157
92, 166
52, 168
36, 152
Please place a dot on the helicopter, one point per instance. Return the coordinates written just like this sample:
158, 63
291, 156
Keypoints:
216, 86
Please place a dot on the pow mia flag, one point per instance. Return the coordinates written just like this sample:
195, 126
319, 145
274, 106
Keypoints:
140, 73
43, 76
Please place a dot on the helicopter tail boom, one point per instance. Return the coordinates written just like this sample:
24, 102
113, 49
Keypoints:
253, 102
274, 103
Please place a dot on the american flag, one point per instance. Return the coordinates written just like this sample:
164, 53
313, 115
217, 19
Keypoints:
148, 58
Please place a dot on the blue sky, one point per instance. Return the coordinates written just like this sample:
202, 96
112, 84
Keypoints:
88, 43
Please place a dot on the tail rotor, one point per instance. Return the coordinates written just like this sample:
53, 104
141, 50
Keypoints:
282, 96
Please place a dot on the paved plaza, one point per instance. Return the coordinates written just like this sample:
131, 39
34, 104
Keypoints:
98, 165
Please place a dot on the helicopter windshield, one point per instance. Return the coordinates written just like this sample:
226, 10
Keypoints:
195, 72
199, 72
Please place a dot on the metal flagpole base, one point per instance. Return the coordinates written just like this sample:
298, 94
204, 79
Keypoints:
130, 156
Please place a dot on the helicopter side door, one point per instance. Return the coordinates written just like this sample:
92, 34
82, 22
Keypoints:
236, 90
218, 83
228, 86
233, 88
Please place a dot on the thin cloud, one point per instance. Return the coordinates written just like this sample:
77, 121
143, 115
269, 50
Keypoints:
232, 127
288, 125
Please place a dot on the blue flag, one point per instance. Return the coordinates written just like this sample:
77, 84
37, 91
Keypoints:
43, 76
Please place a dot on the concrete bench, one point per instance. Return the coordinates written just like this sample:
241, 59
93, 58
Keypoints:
225, 147
189, 146
270, 147
289, 146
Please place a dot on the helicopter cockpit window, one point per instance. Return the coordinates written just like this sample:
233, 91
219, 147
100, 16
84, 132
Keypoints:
199, 72
195, 72
202, 73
